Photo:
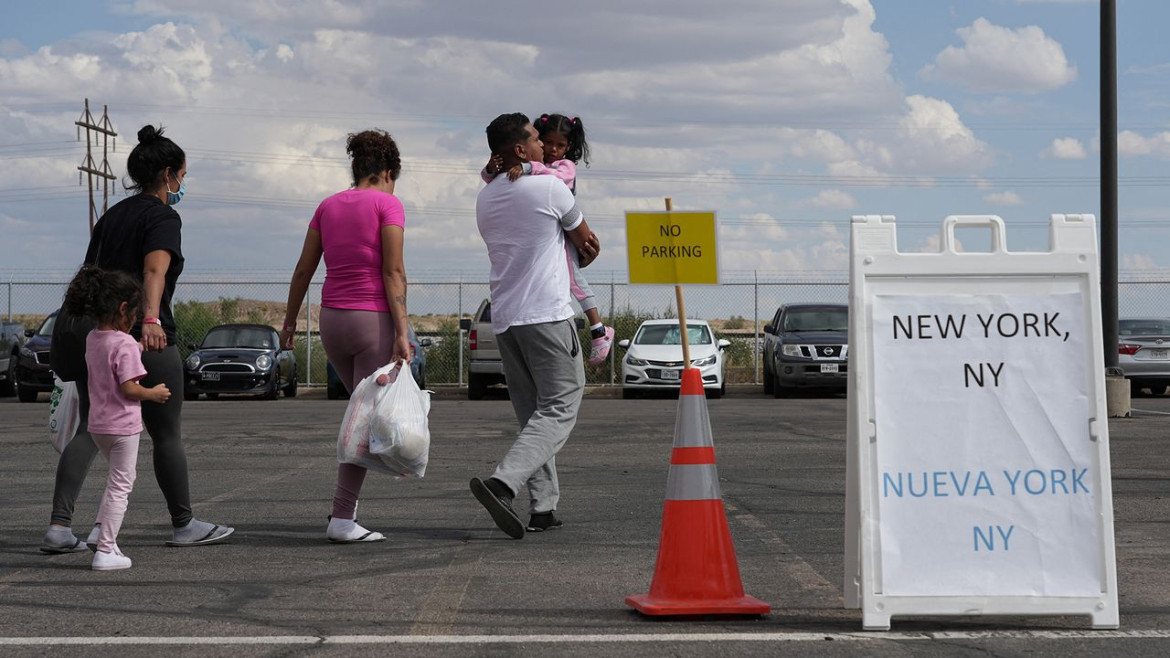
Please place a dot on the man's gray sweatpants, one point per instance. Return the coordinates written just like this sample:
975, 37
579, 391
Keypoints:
546, 379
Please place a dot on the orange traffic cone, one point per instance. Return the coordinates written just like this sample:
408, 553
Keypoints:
696, 572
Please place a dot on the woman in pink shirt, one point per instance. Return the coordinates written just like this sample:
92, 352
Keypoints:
363, 303
114, 361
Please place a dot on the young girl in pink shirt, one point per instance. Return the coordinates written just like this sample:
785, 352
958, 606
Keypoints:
565, 146
114, 361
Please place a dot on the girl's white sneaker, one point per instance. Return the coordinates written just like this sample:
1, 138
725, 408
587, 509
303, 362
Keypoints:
103, 561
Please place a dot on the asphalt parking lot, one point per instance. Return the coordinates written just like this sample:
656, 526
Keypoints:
448, 583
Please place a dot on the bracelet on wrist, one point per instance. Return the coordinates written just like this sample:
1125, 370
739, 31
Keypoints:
152, 320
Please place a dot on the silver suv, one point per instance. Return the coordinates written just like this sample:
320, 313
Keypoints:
484, 364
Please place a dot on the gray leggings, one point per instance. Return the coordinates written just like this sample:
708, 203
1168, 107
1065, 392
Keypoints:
357, 343
164, 424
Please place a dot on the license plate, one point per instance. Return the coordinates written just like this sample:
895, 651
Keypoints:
830, 367
1159, 354
670, 375
210, 376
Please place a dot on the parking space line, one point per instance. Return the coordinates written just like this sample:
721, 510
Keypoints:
609, 638
440, 611
1156, 413
801, 572
260, 484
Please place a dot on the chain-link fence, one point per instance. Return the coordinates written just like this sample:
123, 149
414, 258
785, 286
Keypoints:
737, 311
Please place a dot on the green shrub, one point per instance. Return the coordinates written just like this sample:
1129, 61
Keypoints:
228, 309
192, 321
443, 355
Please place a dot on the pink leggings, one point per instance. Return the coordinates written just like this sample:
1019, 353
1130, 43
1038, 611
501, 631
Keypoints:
357, 343
122, 453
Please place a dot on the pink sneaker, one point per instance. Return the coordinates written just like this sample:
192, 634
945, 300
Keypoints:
599, 347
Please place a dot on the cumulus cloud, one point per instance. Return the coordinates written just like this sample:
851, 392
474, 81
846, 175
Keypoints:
1133, 144
756, 123
1065, 148
833, 200
995, 59
1003, 199
932, 138
1139, 262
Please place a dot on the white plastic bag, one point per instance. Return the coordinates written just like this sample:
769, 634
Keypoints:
64, 413
385, 427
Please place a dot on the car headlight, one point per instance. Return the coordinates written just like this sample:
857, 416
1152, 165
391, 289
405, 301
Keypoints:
193, 362
637, 362
704, 362
791, 350
263, 362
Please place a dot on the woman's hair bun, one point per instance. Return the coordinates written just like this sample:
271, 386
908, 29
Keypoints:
149, 134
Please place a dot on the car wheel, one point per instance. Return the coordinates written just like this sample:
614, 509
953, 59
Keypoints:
629, 394
778, 390
23, 392
715, 393
333, 391
1158, 390
768, 383
290, 391
190, 396
1135, 389
7, 387
273, 388
476, 386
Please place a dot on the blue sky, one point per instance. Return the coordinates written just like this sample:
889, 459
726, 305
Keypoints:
784, 116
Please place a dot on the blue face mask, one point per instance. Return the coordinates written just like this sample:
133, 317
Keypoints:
175, 197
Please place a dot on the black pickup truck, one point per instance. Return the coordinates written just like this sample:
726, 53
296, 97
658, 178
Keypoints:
806, 346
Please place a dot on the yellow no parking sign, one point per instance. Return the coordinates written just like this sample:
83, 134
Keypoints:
672, 247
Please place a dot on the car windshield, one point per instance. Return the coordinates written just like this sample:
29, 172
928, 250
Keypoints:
1144, 328
47, 327
239, 337
819, 319
668, 334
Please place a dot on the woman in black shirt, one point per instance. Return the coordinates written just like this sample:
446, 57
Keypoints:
142, 235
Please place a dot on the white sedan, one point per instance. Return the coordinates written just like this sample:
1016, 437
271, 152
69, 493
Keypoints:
654, 359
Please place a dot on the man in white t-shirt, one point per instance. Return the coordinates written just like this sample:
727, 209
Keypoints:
525, 224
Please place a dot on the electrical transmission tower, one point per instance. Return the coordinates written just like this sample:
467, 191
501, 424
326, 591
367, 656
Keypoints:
106, 131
